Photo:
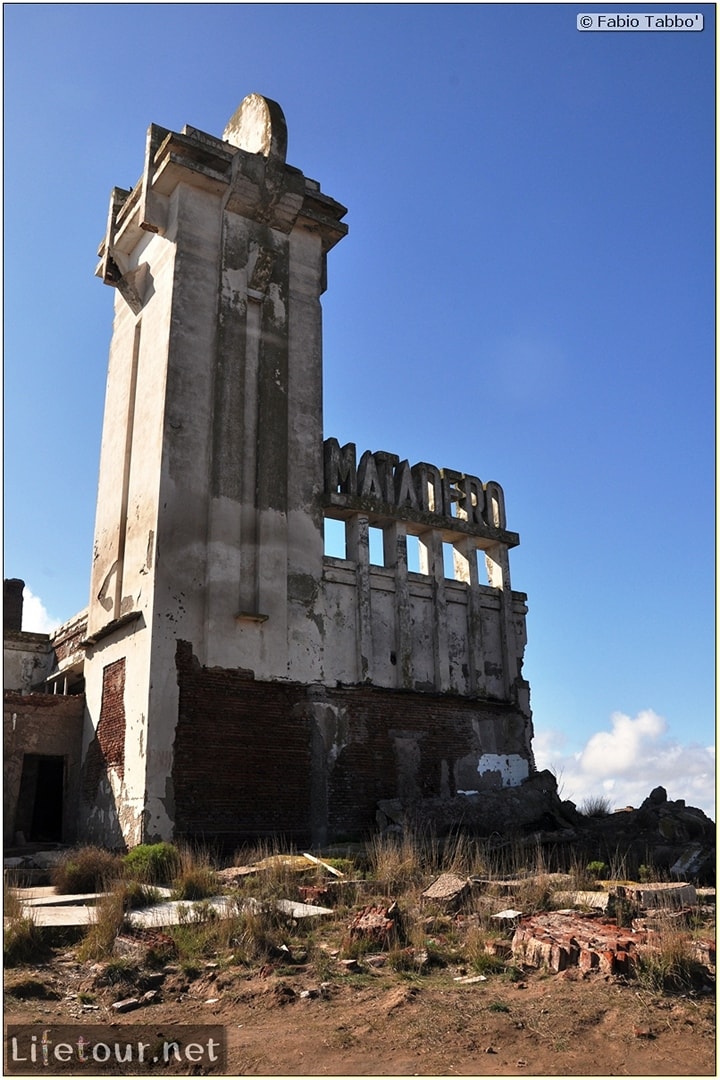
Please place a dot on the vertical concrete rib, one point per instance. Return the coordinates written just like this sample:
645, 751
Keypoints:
249, 568
358, 542
395, 556
127, 460
431, 563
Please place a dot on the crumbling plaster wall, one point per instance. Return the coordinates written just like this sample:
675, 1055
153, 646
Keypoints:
456, 648
27, 661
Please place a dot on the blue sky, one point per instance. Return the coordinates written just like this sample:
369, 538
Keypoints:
526, 294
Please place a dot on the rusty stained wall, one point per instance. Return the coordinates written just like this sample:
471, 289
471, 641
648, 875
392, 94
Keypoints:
42, 724
255, 758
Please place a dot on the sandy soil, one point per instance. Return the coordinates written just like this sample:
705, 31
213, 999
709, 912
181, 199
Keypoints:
380, 1022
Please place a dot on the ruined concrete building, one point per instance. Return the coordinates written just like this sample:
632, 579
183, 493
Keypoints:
238, 680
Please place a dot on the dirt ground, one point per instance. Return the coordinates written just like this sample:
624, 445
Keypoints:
381, 1022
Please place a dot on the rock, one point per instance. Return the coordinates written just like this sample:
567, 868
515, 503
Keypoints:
657, 796
503, 949
448, 891
390, 814
126, 1005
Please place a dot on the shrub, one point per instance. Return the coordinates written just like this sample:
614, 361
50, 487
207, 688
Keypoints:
597, 869
153, 864
596, 806
86, 869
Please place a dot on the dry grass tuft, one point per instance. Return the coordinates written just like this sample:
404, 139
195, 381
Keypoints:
669, 962
108, 921
196, 878
86, 869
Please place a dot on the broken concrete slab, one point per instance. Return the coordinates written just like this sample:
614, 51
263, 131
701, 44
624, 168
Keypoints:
658, 894
53, 899
584, 899
64, 915
448, 891
174, 912
297, 910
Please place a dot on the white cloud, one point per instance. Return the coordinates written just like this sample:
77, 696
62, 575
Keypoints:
36, 618
625, 763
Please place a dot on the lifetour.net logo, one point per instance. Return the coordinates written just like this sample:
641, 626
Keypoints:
682, 20
117, 1050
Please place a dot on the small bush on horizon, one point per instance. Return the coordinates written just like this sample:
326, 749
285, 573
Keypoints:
596, 806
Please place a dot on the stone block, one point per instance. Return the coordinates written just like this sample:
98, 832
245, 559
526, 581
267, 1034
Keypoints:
447, 891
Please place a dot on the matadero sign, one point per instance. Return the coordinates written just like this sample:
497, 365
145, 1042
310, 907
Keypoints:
382, 484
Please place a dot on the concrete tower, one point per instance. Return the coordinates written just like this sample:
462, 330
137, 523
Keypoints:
208, 525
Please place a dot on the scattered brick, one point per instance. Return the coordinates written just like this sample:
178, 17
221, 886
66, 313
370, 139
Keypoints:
558, 941
376, 924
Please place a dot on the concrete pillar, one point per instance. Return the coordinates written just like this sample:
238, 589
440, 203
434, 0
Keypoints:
358, 542
395, 548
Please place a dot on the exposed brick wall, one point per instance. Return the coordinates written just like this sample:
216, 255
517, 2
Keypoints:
249, 759
108, 747
242, 754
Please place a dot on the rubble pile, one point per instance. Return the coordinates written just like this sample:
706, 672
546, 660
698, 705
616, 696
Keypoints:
674, 838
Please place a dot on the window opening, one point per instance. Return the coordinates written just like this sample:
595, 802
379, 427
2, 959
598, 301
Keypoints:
376, 547
334, 538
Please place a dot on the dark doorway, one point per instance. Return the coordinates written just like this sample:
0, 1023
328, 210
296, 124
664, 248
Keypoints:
40, 803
